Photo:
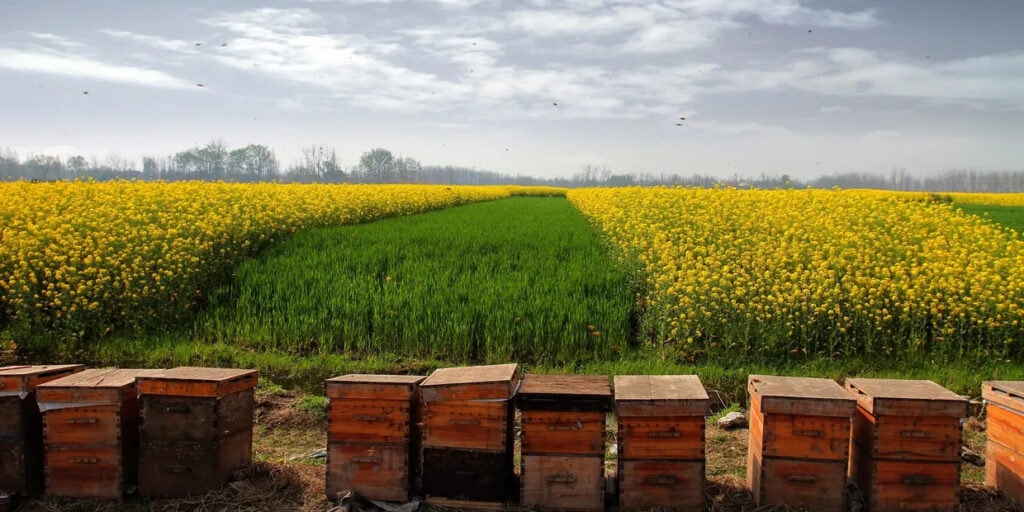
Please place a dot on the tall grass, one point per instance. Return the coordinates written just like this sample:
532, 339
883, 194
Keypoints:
520, 279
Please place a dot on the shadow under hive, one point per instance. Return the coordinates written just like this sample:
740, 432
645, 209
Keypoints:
563, 424
91, 430
799, 447
906, 444
661, 441
371, 435
1004, 461
196, 427
21, 426
466, 416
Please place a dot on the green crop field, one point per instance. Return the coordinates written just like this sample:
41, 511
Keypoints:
1009, 216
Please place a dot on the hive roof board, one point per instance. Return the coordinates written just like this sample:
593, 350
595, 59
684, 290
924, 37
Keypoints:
771, 394
25, 378
370, 386
106, 385
660, 395
565, 393
490, 382
1007, 393
197, 382
898, 397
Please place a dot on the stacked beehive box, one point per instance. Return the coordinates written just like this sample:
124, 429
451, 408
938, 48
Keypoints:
21, 426
371, 433
661, 441
1004, 464
799, 447
196, 427
91, 431
563, 424
466, 417
906, 444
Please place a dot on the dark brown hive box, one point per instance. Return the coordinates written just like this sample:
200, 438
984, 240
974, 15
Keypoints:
372, 435
466, 416
21, 426
799, 441
906, 444
563, 423
91, 432
196, 427
661, 441
1004, 463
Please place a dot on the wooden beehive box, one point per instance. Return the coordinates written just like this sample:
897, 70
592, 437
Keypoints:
1004, 462
372, 436
563, 423
661, 441
905, 453
196, 426
91, 432
466, 416
21, 426
799, 447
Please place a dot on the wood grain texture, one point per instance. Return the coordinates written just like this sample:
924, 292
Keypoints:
563, 482
670, 485
466, 425
661, 437
376, 472
797, 436
897, 397
1004, 470
25, 378
490, 382
817, 485
1005, 427
799, 396
175, 469
83, 471
369, 421
198, 382
920, 438
569, 433
21, 445
1009, 394
891, 486
467, 475
190, 418
373, 387
660, 395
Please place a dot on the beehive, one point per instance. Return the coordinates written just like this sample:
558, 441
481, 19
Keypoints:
91, 432
21, 426
196, 427
372, 435
466, 416
661, 441
563, 423
799, 447
906, 444
1004, 463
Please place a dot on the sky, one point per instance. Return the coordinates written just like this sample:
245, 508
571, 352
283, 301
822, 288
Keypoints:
532, 87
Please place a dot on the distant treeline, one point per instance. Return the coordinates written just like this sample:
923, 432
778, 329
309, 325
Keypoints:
318, 163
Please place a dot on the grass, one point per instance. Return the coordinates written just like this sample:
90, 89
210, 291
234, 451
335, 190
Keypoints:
1009, 216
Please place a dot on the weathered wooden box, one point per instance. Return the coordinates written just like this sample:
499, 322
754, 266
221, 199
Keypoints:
21, 426
196, 427
563, 424
799, 441
905, 453
466, 417
91, 432
372, 441
660, 441
1004, 463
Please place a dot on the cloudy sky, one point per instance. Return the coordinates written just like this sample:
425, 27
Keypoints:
537, 87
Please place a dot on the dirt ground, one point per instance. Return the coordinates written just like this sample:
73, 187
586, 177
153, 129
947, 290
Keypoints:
285, 475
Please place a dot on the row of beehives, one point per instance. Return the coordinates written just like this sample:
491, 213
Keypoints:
100, 432
449, 436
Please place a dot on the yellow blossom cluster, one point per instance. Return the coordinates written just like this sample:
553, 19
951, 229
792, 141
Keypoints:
81, 259
989, 199
823, 272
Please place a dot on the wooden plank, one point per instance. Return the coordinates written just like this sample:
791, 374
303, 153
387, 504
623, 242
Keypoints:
84, 471
467, 475
899, 397
920, 438
821, 438
448, 504
197, 382
891, 486
660, 395
1007, 393
565, 393
1004, 470
25, 378
97, 425
816, 485
467, 425
93, 386
190, 418
491, 382
1005, 427
376, 472
661, 437
800, 396
175, 469
369, 421
563, 482
373, 387
21, 444
674, 485
570, 433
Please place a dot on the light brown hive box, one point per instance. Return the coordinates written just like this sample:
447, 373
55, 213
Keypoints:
1004, 463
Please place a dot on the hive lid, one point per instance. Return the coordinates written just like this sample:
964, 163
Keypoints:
368, 386
199, 382
1007, 393
25, 378
565, 393
771, 394
491, 382
97, 385
660, 395
897, 397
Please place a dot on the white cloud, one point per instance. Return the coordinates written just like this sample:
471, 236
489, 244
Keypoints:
782, 12
80, 66
831, 109
57, 40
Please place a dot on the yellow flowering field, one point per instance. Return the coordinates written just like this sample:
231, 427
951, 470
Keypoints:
79, 260
989, 199
788, 273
